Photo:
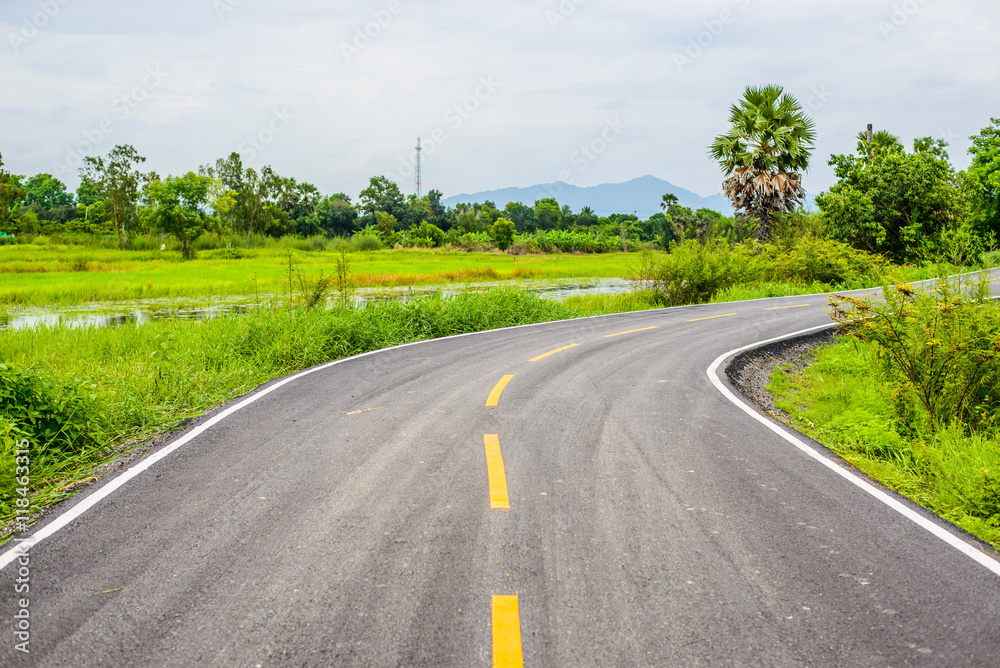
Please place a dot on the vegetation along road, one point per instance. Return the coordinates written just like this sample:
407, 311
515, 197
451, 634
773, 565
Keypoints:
575, 493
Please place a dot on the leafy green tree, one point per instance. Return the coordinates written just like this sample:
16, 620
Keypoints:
521, 215
548, 214
469, 219
429, 231
179, 207
382, 195
337, 216
502, 232
416, 211
983, 176
767, 146
10, 194
251, 192
438, 210
385, 223
119, 182
586, 217
47, 191
892, 202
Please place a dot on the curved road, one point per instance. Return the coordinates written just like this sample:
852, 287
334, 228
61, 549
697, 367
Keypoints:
613, 508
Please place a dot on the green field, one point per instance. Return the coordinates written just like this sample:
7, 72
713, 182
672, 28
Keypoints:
32, 275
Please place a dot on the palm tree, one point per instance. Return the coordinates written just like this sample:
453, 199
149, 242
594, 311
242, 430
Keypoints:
763, 154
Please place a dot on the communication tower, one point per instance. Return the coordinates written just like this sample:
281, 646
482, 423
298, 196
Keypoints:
416, 174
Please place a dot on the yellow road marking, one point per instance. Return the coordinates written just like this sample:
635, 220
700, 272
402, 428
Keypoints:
494, 398
506, 633
498, 478
631, 331
724, 315
778, 308
553, 352
367, 410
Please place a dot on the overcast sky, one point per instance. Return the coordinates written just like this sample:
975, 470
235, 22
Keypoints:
503, 93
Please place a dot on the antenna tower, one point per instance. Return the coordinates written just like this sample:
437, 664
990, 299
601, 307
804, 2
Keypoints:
417, 175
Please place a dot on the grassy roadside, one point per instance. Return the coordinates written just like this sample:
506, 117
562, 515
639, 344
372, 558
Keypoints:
844, 400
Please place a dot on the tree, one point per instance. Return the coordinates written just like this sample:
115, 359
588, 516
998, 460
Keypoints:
337, 216
119, 182
548, 214
179, 207
983, 178
892, 202
386, 225
502, 233
10, 194
47, 191
438, 209
766, 148
251, 191
383, 195
586, 217
521, 215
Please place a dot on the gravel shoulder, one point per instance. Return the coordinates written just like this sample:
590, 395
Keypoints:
750, 371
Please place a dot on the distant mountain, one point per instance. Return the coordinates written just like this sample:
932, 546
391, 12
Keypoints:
642, 196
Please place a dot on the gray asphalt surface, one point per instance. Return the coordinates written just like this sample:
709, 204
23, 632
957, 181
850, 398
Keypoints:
344, 520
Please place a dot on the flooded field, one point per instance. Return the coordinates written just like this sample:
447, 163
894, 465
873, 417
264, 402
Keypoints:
143, 311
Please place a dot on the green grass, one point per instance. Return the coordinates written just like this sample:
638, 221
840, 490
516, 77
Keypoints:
32, 275
843, 401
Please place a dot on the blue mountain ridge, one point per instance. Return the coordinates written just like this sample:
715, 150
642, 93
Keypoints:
642, 196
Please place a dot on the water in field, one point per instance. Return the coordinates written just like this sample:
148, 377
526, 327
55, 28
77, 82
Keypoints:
143, 311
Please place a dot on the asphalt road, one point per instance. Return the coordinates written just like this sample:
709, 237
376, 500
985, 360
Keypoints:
355, 516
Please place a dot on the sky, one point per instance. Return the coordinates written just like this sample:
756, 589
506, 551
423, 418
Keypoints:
502, 93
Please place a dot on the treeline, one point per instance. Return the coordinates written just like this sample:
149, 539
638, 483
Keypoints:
908, 206
227, 199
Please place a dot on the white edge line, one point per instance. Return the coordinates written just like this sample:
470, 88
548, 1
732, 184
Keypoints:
24, 544
981, 558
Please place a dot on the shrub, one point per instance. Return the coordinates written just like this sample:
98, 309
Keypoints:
940, 349
812, 259
61, 419
365, 241
693, 274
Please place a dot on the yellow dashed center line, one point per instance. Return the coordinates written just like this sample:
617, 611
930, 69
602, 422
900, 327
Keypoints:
631, 331
498, 478
724, 315
778, 308
506, 633
366, 410
494, 398
553, 352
